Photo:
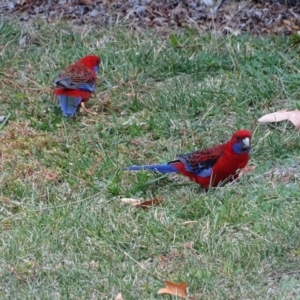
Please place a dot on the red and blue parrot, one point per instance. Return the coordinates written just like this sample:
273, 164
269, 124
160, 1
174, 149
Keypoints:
76, 83
210, 167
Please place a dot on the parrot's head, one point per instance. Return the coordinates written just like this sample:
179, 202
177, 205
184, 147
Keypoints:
241, 141
92, 62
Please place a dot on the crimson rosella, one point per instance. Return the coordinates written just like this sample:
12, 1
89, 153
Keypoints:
76, 83
212, 166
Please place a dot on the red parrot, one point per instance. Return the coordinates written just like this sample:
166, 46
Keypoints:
212, 166
76, 83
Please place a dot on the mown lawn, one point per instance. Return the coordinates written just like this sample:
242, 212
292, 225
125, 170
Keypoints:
65, 233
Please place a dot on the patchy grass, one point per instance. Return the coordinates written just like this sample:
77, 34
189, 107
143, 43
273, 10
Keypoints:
65, 233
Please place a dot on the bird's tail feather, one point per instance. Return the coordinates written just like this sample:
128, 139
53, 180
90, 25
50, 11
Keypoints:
163, 168
69, 104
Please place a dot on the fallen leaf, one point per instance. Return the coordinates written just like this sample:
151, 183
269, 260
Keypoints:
119, 297
152, 202
86, 2
107, 2
130, 201
174, 289
246, 170
143, 204
281, 115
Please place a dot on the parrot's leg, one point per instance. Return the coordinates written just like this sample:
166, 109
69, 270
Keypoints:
87, 110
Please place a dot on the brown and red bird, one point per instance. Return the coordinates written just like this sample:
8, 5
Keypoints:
76, 83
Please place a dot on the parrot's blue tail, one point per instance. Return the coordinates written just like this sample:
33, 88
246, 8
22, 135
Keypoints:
69, 104
164, 168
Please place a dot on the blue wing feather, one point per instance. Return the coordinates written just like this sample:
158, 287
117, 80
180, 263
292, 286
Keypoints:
201, 162
86, 86
77, 77
69, 84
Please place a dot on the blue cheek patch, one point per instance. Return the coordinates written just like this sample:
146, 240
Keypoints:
238, 148
96, 68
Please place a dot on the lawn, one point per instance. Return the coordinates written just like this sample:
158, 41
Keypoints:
65, 234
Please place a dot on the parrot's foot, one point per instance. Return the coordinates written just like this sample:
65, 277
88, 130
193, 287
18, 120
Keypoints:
87, 110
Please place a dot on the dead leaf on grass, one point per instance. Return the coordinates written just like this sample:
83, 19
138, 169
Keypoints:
143, 204
281, 115
119, 297
152, 202
86, 2
130, 201
246, 170
175, 289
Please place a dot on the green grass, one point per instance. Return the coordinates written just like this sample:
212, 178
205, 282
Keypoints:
65, 233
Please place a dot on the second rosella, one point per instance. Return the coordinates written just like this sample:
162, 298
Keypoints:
76, 83
210, 167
